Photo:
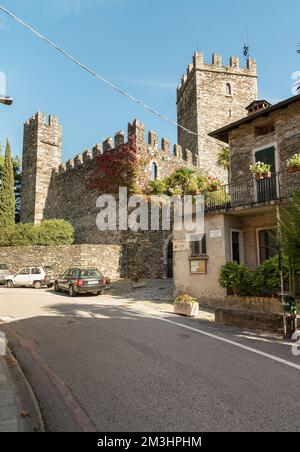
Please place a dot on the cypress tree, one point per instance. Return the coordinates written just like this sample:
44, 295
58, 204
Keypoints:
7, 193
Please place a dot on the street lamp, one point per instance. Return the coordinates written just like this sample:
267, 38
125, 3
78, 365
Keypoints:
6, 100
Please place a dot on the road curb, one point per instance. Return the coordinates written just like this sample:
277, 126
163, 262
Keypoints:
41, 426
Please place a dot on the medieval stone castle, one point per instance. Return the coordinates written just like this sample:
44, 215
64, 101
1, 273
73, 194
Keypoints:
209, 97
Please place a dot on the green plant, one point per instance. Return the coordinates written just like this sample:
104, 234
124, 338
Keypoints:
224, 157
7, 193
217, 198
267, 276
54, 232
260, 168
185, 298
294, 162
237, 278
158, 187
213, 183
289, 223
48, 233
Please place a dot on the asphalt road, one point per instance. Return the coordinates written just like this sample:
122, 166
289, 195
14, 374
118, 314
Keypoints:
113, 365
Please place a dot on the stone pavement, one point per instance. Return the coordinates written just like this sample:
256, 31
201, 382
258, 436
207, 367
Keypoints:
8, 408
19, 411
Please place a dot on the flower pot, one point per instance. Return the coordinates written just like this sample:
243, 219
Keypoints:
187, 309
267, 175
294, 169
259, 177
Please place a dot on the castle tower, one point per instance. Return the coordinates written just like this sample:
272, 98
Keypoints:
41, 154
209, 97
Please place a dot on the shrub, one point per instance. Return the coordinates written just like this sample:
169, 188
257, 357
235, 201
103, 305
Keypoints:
236, 277
267, 276
185, 298
48, 233
54, 232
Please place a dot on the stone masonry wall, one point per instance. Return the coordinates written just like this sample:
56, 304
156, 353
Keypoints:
46, 137
106, 258
204, 104
65, 195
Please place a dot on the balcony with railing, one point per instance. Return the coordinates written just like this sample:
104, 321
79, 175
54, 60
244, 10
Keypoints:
253, 193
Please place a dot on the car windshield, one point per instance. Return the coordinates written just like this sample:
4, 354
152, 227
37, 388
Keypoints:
86, 274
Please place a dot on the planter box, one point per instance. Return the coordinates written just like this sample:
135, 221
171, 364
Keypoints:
293, 170
138, 285
263, 176
188, 310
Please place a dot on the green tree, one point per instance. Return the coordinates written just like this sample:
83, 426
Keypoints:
290, 233
17, 177
7, 193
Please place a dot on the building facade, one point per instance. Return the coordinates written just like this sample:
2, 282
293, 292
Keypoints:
209, 97
239, 223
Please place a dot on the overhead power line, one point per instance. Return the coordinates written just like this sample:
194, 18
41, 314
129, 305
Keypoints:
95, 74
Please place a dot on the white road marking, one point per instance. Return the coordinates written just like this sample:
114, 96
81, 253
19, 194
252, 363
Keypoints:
236, 344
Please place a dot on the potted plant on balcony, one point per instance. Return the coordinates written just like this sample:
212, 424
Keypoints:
186, 305
294, 164
261, 170
213, 184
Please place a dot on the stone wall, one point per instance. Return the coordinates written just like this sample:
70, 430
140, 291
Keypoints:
109, 259
204, 104
52, 189
42, 149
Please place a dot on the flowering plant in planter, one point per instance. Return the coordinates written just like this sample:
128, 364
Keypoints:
261, 170
294, 163
213, 184
187, 299
186, 305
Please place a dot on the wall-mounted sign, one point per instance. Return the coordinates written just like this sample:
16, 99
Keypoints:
198, 267
216, 233
180, 245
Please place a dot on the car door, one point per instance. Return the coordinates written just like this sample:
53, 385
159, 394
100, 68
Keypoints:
63, 281
22, 278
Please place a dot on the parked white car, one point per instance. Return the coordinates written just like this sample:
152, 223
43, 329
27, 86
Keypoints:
4, 271
36, 277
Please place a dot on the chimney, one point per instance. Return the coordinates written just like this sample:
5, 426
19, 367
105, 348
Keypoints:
257, 106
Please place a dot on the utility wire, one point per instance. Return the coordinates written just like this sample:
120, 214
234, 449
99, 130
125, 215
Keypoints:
95, 74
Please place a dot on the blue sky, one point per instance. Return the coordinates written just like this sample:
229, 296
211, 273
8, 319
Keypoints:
144, 46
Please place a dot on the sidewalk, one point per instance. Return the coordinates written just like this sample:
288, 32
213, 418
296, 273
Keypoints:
19, 411
8, 408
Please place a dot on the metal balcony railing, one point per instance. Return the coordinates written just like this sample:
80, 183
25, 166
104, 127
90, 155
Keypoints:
251, 192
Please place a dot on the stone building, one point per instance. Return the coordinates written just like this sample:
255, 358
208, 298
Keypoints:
52, 189
239, 221
209, 97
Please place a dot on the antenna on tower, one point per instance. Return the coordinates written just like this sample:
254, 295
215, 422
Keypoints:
246, 50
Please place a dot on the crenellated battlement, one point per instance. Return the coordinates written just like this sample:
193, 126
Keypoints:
157, 151
217, 65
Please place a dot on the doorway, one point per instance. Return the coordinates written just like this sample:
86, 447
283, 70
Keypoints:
170, 272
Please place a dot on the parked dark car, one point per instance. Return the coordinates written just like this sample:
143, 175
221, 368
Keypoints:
77, 281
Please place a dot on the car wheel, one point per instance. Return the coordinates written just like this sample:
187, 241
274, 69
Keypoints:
72, 292
56, 287
38, 285
10, 284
